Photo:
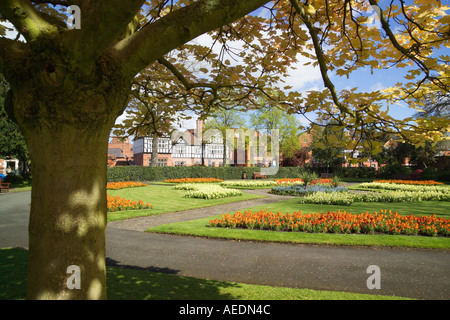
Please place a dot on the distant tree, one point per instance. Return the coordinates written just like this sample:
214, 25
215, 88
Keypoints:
328, 146
12, 142
397, 151
297, 159
270, 117
436, 104
224, 119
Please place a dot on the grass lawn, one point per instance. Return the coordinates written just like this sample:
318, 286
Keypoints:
164, 199
134, 284
19, 187
440, 208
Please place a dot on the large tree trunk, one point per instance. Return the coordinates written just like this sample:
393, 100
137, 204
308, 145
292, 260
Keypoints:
68, 213
66, 123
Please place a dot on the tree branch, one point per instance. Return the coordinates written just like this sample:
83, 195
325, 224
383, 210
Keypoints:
320, 57
188, 85
10, 51
29, 22
54, 2
103, 22
176, 28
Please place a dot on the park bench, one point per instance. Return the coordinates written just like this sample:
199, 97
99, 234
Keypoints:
260, 175
4, 186
326, 175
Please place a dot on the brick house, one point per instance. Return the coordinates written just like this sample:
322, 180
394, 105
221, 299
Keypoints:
188, 150
120, 152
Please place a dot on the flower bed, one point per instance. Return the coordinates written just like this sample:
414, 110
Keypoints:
299, 190
286, 181
346, 198
118, 204
207, 191
248, 183
341, 198
122, 185
412, 182
404, 187
194, 180
337, 222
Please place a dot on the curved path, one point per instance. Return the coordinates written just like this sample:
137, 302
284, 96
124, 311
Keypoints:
412, 273
144, 223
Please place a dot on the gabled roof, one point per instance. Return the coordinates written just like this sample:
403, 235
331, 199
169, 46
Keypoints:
116, 152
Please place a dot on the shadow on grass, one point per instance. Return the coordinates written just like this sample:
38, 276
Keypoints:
13, 273
124, 282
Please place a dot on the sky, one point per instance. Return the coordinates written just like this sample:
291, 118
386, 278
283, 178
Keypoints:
304, 78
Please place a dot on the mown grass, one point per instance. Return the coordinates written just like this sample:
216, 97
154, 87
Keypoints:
440, 208
140, 284
165, 199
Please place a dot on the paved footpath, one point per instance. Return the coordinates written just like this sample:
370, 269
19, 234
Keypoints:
422, 274
144, 223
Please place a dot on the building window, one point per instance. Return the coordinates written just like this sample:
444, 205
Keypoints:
163, 145
162, 162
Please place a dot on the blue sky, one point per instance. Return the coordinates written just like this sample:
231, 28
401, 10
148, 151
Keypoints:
308, 78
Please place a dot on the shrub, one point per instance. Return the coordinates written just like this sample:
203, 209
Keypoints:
308, 177
140, 173
391, 171
13, 178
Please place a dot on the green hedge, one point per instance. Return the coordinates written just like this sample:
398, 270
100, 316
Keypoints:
138, 173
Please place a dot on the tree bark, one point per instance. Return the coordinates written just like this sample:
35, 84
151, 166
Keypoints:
224, 155
67, 228
66, 125
155, 142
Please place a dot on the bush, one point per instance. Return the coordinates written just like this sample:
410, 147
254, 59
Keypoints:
307, 177
13, 178
362, 173
139, 173
429, 173
394, 171
443, 175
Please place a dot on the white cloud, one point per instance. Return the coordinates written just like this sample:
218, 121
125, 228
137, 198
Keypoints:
303, 77
187, 124
300, 76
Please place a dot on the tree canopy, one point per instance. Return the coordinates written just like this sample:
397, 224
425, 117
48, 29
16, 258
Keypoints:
249, 54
